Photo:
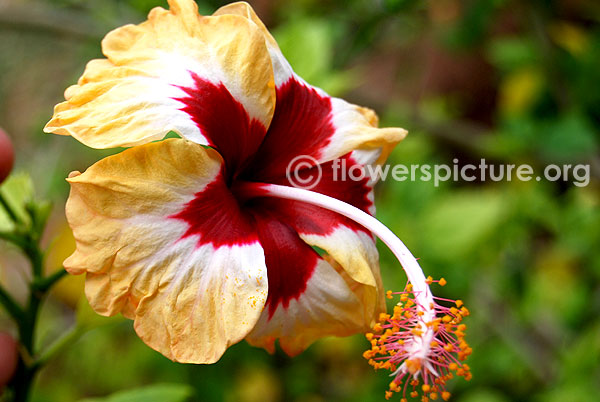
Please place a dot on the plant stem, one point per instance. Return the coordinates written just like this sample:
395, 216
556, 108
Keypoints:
11, 306
27, 238
26, 369
44, 284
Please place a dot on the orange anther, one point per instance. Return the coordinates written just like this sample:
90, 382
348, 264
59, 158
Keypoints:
384, 317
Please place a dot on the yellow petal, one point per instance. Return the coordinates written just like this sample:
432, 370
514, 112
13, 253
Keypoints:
189, 301
281, 68
131, 97
328, 307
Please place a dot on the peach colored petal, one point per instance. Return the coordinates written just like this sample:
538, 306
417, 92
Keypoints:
130, 97
189, 302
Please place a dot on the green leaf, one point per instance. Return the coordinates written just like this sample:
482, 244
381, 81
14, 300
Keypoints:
40, 212
461, 221
18, 192
152, 393
308, 45
571, 137
512, 53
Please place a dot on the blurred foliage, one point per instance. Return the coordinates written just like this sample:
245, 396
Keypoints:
506, 80
153, 393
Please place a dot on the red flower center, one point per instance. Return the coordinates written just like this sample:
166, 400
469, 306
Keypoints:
221, 216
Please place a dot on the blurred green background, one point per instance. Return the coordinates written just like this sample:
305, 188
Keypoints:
510, 81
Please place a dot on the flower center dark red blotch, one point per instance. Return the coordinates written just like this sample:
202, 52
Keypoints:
301, 125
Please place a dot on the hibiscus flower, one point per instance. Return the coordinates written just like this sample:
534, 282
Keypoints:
203, 240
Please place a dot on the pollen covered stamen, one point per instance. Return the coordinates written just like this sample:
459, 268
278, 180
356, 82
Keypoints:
422, 354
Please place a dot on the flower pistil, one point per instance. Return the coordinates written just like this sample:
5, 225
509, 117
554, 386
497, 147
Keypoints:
423, 341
